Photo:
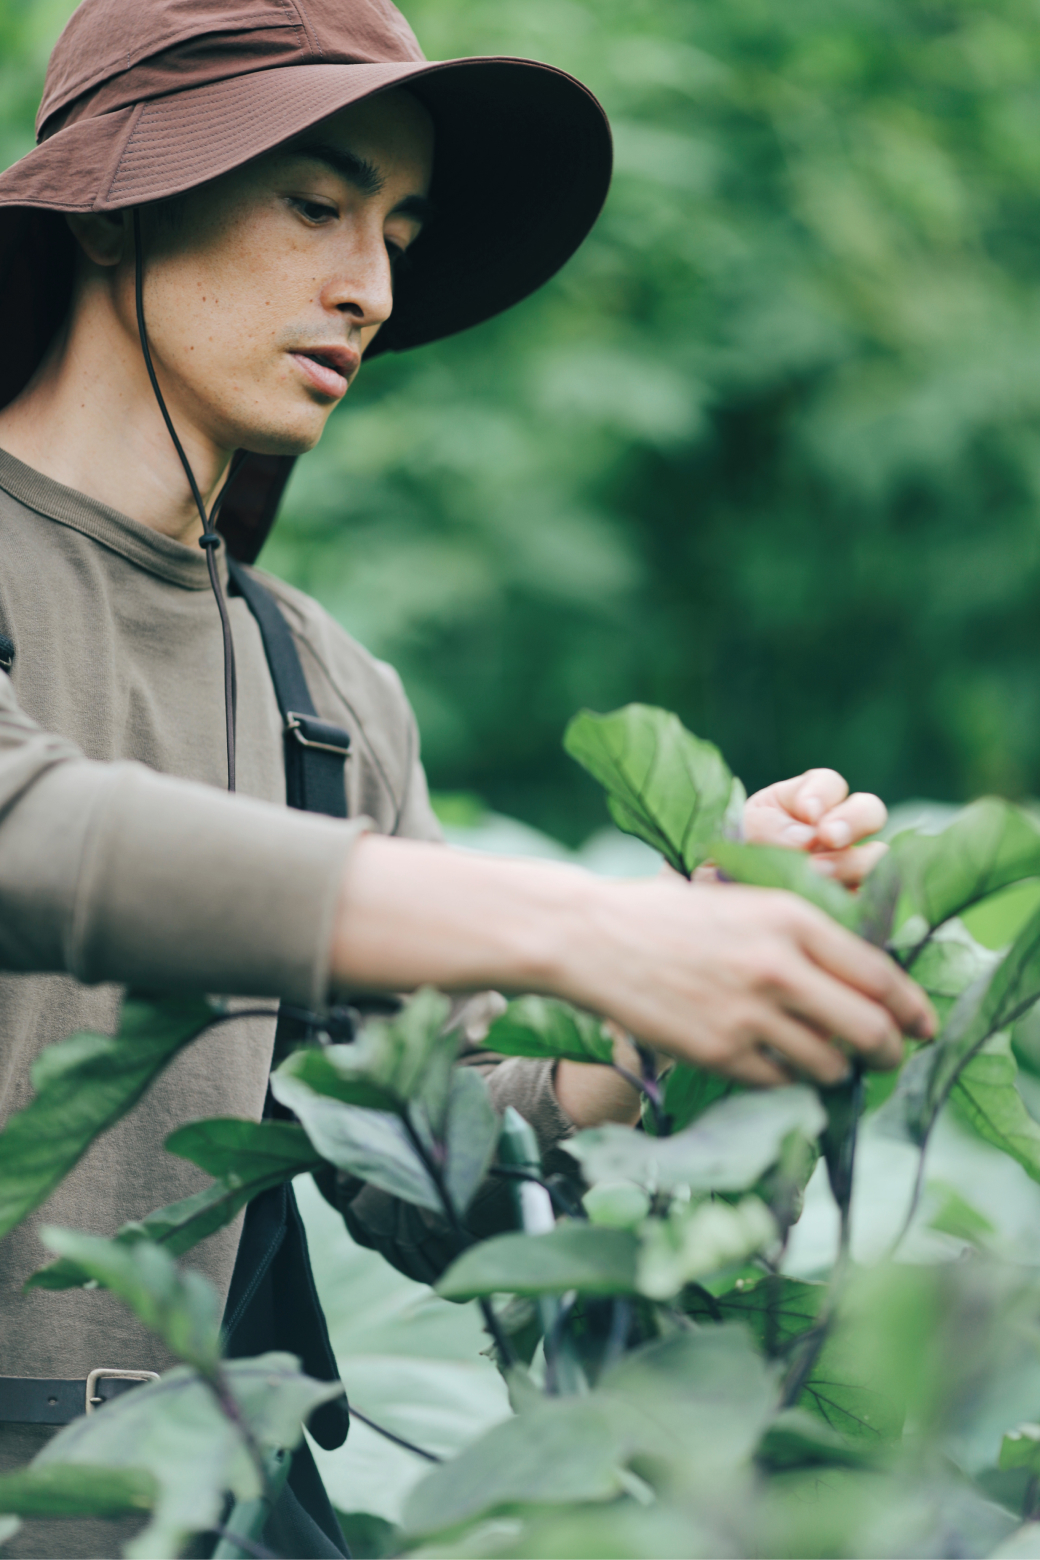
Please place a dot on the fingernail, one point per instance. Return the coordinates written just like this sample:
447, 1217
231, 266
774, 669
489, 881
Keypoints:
925, 1027
813, 808
797, 834
838, 834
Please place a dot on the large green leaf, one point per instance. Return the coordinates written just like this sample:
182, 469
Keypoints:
174, 1430
563, 1450
393, 1061
991, 1004
988, 846
769, 866
949, 963
663, 784
542, 1026
695, 1241
776, 1308
182, 1307
696, 1403
70, 1491
986, 1096
726, 1149
471, 1137
594, 1259
254, 1156
371, 1144
84, 1085
686, 1093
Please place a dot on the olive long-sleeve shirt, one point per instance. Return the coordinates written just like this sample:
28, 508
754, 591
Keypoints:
124, 861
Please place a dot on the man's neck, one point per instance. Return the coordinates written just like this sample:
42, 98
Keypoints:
89, 419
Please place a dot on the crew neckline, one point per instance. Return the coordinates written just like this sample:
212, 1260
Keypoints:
175, 562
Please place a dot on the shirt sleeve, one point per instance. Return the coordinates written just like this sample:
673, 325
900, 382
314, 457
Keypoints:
111, 872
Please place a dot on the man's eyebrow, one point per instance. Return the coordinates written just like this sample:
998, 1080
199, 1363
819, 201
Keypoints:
358, 171
362, 174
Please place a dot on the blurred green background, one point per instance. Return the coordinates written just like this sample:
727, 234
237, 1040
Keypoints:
767, 452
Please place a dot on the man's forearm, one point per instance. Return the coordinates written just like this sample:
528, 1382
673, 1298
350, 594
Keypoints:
749, 982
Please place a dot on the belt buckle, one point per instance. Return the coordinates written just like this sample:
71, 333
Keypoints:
103, 1373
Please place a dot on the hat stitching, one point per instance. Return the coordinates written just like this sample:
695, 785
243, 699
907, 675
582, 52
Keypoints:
309, 30
85, 82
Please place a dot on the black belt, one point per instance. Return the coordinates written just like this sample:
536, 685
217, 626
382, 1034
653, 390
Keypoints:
37, 1400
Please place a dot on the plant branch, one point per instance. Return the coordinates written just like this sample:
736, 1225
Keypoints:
247, 1545
436, 1174
398, 1440
217, 1383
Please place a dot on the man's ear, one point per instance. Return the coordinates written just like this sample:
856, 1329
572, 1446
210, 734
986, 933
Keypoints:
104, 236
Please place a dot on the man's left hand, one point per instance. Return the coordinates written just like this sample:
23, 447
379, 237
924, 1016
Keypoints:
814, 812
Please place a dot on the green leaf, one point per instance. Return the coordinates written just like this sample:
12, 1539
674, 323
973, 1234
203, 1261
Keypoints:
770, 866
84, 1085
618, 1205
955, 1216
70, 1491
181, 1307
663, 784
950, 962
589, 1258
991, 1004
775, 1308
797, 1439
986, 1096
254, 1156
695, 1403
542, 1026
686, 1094
695, 1241
370, 1144
393, 1061
726, 1149
988, 846
174, 1430
563, 1450
1020, 1448
471, 1137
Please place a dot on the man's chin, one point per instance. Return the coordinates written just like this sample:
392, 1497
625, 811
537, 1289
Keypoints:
282, 439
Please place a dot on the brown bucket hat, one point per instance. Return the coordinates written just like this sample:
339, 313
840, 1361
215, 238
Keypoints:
147, 98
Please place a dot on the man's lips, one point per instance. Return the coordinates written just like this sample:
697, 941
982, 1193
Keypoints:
329, 369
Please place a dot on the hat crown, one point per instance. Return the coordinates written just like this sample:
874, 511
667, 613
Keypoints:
115, 52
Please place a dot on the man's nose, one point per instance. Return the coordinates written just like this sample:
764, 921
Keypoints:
363, 289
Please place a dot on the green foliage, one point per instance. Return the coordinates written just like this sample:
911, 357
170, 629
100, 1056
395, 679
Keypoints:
181, 1308
175, 1433
768, 867
84, 1085
248, 1156
663, 784
726, 1149
68, 1491
687, 1093
541, 1026
593, 1259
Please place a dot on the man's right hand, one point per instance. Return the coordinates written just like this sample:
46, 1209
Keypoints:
753, 983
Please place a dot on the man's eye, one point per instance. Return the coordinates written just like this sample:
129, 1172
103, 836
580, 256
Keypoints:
315, 210
398, 255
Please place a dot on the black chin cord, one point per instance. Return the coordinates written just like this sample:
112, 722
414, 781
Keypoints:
210, 539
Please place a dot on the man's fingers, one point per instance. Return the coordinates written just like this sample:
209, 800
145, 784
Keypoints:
806, 1052
856, 964
817, 793
851, 820
759, 1070
848, 866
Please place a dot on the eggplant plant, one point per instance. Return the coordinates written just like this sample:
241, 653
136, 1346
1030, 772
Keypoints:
677, 1391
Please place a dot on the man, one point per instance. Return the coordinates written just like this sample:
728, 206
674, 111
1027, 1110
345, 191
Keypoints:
222, 198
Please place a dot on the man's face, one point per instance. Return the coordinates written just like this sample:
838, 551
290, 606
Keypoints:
263, 288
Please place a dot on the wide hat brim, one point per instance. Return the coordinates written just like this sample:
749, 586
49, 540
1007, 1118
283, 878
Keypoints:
522, 165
